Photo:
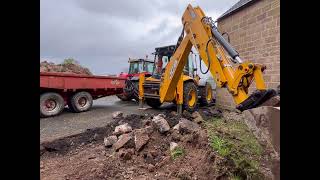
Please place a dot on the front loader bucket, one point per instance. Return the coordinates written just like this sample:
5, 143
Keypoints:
264, 122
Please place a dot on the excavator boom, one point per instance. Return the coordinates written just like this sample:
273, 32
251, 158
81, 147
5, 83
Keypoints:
219, 56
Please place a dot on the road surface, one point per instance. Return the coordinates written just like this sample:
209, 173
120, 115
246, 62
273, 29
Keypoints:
69, 123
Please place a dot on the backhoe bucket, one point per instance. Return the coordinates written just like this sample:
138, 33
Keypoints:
256, 99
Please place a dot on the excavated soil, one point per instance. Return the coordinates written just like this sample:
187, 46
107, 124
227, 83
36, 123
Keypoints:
84, 156
64, 68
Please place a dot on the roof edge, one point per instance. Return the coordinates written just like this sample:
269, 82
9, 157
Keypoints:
225, 15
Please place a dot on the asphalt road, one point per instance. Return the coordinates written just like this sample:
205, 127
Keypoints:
69, 123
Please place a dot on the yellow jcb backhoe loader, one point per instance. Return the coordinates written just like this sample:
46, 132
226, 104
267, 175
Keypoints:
228, 71
218, 55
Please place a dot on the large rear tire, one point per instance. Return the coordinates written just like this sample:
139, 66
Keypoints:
190, 96
154, 103
80, 102
206, 94
123, 97
51, 104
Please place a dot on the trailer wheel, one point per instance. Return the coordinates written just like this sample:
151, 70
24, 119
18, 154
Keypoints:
154, 103
190, 96
206, 95
81, 101
51, 104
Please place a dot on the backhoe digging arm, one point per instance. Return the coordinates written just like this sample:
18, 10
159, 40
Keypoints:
218, 55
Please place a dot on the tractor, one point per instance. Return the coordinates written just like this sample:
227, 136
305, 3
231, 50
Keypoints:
136, 67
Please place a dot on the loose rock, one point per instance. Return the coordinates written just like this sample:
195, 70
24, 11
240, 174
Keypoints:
95, 136
173, 146
186, 126
109, 141
176, 127
117, 115
150, 167
186, 114
216, 113
141, 138
121, 129
161, 123
174, 113
126, 154
197, 118
123, 139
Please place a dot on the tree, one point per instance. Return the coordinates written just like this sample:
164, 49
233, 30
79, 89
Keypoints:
70, 61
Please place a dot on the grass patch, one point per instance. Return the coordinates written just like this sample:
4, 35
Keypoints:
177, 152
233, 140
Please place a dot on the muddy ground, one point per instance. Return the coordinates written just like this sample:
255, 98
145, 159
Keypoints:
84, 156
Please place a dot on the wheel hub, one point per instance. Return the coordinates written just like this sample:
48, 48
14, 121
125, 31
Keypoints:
192, 98
209, 95
82, 101
50, 104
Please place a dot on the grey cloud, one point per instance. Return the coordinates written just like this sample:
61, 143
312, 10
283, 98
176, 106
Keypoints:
103, 34
130, 9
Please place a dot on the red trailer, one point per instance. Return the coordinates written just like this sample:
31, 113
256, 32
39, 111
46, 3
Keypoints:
77, 91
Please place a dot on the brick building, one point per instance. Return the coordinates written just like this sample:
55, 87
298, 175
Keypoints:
254, 30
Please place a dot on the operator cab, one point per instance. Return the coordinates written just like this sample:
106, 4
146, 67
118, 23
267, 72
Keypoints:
162, 57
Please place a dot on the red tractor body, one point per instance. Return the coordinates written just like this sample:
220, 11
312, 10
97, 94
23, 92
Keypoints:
136, 67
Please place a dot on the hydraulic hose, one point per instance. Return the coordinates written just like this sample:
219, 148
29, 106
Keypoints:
209, 59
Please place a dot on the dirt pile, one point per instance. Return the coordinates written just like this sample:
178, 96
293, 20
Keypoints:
149, 146
72, 68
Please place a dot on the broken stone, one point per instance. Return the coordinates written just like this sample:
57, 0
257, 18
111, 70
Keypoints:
126, 154
123, 139
148, 158
117, 115
41, 165
150, 167
174, 113
141, 138
186, 126
176, 127
141, 177
146, 123
173, 146
149, 129
154, 153
164, 161
121, 129
42, 150
184, 173
109, 141
197, 118
216, 113
186, 114
95, 136
175, 136
161, 123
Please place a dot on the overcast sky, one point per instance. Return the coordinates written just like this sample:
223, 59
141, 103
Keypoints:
103, 34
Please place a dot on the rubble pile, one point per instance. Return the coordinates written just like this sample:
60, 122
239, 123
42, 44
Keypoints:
146, 146
154, 143
64, 68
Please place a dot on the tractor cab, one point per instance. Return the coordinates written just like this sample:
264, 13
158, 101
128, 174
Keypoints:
137, 66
